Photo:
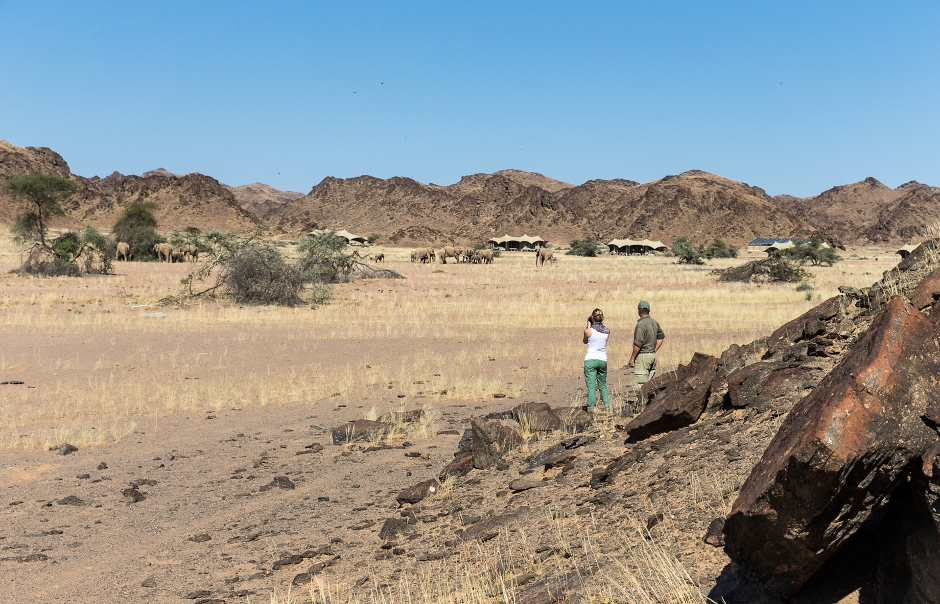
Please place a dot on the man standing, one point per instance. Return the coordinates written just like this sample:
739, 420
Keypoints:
648, 336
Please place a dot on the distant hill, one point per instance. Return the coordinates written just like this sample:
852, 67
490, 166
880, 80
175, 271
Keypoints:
406, 212
182, 201
259, 198
694, 204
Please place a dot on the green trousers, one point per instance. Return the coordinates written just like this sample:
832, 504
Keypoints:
595, 377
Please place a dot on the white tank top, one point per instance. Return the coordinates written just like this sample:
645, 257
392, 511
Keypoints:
596, 346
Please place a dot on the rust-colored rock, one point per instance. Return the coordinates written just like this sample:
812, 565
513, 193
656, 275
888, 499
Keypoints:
762, 383
491, 440
840, 452
460, 466
677, 403
927, 292
810, 324
416, 493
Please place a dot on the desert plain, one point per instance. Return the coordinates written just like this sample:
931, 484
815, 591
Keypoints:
220, 416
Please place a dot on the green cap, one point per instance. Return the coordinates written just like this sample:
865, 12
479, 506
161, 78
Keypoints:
643, 305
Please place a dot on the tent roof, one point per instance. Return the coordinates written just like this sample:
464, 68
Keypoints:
347, 235
783, 245
910, 247
656, 245
773, 240
523, 239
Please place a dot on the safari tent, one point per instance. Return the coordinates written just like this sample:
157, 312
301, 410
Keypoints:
508, 242
349, 237
789, 244
763, 244
906, 250
632, 246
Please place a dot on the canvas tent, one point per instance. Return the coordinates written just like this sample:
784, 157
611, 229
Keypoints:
906, 250
508, 242
349, 237
632, 246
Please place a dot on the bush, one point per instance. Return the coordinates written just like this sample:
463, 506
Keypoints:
813, 251
247, 269
323, 258
687, 252
373, 238
769, 270
137, 228
72, 254
720, 249
589, 247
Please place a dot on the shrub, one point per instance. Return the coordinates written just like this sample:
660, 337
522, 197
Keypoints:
687, 251
247, 269
813, 251
39, 195
589, 247
769, 270
719, 249
373, 238
137, 228
323, 258
71, 254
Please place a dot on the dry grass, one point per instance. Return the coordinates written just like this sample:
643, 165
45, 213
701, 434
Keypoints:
447, 333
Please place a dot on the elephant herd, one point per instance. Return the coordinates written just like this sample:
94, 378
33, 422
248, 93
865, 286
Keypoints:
459, 254
164, 252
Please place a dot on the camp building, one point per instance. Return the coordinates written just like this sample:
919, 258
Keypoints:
766, 244
906, 250
349, 237
508, 242
631, 246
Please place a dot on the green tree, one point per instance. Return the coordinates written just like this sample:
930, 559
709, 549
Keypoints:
589, 246
40, 195
136, 226
373, 238
719, 249
813, 251
323, 257
687, 251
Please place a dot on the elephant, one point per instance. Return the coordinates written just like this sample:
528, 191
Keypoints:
190, 252
485, 256
177, 255
442, 255
449, 252
544, 255
414, 255
380, 257
432, 254
164, 252
423, 255
123, 249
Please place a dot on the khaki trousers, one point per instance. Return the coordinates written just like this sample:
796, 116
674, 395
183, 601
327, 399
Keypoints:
644, 368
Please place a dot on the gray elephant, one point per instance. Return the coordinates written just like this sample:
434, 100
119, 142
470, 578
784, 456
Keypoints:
544, 255
380, 257
485, 256
123, 249
164, 252
423, 255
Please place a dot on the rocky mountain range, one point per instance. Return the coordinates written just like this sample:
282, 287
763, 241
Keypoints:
407, 212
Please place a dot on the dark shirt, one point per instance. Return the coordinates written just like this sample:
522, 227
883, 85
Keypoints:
646, 333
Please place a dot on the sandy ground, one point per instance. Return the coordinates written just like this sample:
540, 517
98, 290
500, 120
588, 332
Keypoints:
205, 406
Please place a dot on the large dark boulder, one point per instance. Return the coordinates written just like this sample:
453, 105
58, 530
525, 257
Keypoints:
491, 440
537, 417
762, 384
358, 431
839, 453
676, 402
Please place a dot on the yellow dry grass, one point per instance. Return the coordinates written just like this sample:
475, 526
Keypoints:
446, 333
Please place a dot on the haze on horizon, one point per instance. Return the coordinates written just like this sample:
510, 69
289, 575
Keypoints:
795, 97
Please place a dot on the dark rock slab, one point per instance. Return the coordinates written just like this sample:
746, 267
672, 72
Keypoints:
927, 291
761, 384
491, 440
715, 536
416, 493
460, 466
537, 417
279, 482
393, 527
678, 402
839, 453
71, 500
524, 484
359, 430
66, 449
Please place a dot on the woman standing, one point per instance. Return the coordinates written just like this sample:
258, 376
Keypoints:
596, 335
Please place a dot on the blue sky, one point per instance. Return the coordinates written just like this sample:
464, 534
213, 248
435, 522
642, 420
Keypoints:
795, 97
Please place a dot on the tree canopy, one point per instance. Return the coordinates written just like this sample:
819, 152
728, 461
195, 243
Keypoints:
589, 246
40, 195
136, 226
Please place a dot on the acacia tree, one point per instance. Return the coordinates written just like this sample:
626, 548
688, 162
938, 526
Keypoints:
136, 226
39, 194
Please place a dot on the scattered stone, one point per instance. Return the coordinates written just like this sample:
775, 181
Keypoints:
362, 525
11, 383
560, 459
287, 561
132, 495
653, 519
416, 493
392, 527
148, 582
70, 500
491, 440
33, 558
359, 430
314, 447
66, 449
195, 595
503, 465
460, 466
279, 482
200, 538
244, 538
402, 417
83, 476
714, 535
524, 484
537, 417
